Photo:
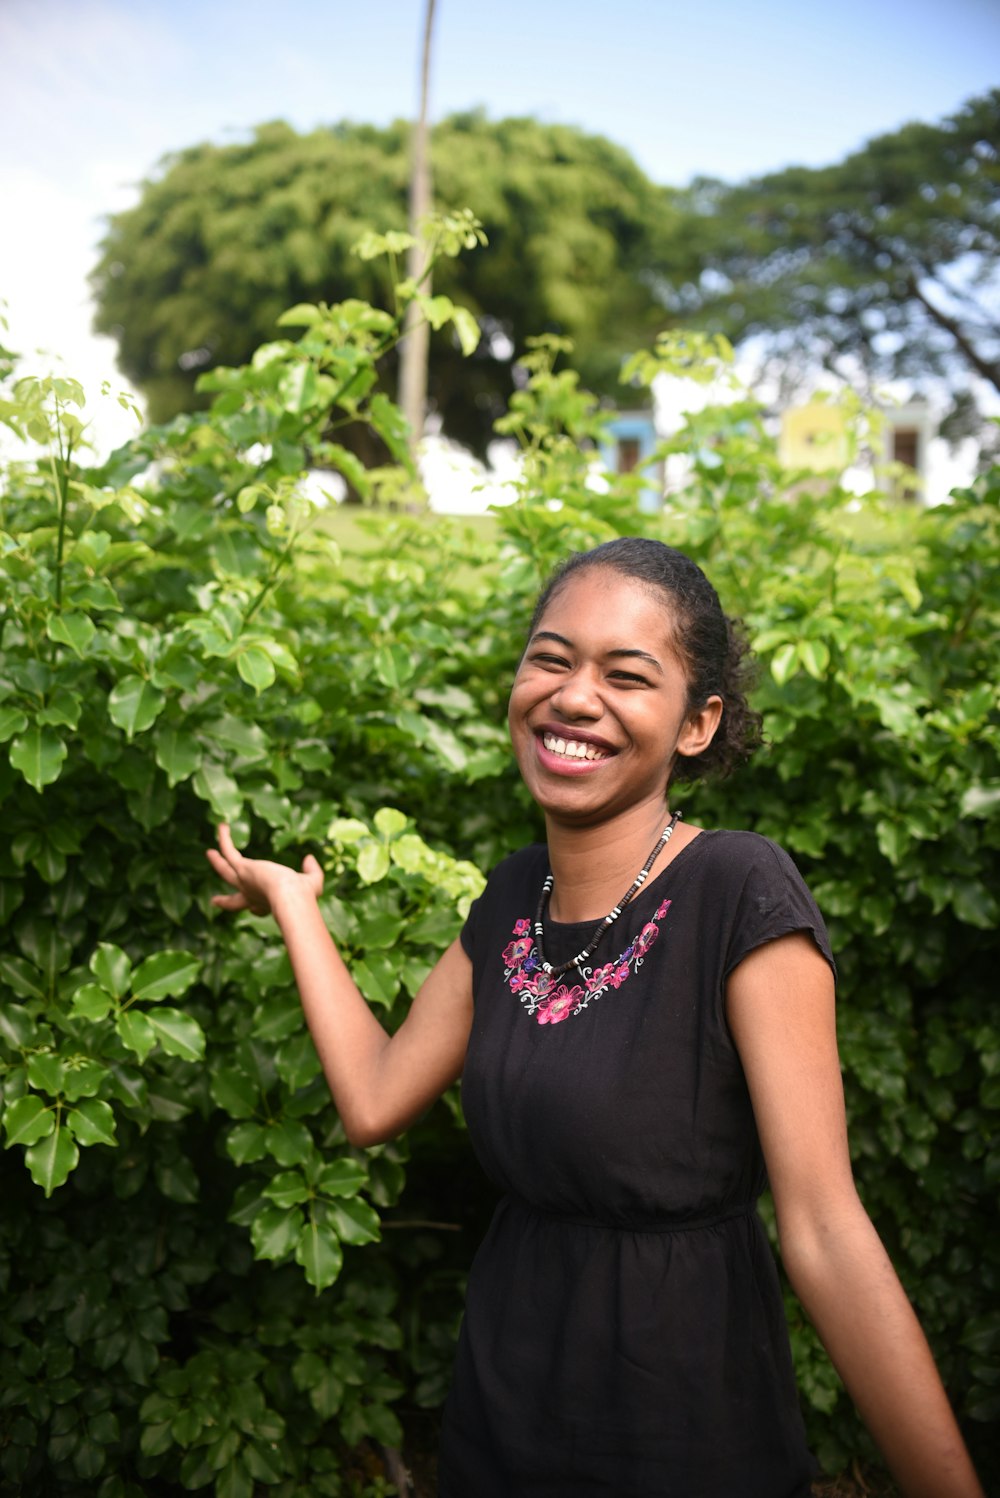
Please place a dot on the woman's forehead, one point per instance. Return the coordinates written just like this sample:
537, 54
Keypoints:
601, 597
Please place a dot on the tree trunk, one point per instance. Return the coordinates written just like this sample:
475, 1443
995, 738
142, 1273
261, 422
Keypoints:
414, 347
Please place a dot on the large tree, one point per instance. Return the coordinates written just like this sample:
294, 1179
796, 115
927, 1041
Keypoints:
887, 263
224, 238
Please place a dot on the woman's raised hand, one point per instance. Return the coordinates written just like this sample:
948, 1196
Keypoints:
257, 881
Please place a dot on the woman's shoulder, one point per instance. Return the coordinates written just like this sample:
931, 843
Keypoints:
740, 848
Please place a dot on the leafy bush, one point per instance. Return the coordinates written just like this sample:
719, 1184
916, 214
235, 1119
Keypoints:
204, 1285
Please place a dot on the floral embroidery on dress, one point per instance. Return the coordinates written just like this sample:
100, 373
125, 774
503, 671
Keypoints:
551, 1000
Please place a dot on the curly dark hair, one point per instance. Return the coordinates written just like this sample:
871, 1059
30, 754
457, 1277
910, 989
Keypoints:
712, 647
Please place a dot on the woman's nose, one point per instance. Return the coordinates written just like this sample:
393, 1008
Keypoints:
578, 696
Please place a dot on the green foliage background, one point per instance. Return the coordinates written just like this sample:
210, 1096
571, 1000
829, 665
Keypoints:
204, 1287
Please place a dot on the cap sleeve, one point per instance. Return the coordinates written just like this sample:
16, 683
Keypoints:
774, 901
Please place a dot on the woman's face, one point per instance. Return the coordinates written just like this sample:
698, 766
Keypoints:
598, 711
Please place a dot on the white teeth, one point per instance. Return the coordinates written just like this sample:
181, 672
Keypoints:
571, 748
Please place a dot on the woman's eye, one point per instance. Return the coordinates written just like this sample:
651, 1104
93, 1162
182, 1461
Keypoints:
629, 678
549, 660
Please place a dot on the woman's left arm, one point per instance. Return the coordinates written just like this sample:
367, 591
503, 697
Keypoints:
780, 1005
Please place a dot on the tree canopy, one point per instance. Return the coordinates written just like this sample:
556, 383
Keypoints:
226, 237
888, 261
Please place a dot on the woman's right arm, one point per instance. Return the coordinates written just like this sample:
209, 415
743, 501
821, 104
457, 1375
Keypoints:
380, 1083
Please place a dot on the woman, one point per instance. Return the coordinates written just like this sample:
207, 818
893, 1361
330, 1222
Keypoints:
644, 1015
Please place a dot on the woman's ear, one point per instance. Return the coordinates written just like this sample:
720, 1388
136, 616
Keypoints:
700, 728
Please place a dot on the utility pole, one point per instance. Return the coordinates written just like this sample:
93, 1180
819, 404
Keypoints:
415, 345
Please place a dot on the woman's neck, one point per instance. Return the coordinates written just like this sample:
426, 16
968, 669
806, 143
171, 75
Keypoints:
594, 866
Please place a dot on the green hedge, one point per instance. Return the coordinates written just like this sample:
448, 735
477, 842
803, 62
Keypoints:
204, 1286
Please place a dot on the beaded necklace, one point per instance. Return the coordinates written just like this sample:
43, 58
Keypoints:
609, 919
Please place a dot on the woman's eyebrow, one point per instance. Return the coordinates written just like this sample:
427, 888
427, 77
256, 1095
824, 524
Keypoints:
642, 655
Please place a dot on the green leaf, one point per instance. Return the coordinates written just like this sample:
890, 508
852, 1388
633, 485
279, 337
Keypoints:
394, 665
467, 330
275, 1232
22, 977
177, 1179
343, 1177
220, 790
815, 657
288, 1189
136, 1032
297, 388
247, 1142
46, 1071
237, 736
234, 1092
389, 822
373, 863
234, 1481
178, 754
62, 710
392, 426
350, 466
28, 1120
355, 1221
92, 1122
74, 630
785, 663
169, 972
320, 1254
39, 755
82, 1077
112, 968
134, 705
256, 668
17, 1027
51, 1160
12, 721
289, 1141
178, 1033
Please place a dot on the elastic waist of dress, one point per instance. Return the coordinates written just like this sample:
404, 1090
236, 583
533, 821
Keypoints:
674, 1225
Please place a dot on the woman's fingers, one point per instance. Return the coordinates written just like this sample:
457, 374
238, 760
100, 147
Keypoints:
231, 902
313, 871
227, 846
221, 866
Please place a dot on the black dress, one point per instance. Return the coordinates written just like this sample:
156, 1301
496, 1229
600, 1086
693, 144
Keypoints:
624, 1334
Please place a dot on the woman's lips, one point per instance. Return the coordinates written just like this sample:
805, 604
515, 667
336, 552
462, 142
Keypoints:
567, 754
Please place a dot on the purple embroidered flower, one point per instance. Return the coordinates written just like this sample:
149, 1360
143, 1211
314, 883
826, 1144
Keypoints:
521, 927
561, 1005
516, 951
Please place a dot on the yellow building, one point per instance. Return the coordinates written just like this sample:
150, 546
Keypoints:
814, 437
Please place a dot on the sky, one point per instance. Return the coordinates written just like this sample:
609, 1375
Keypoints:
97, 92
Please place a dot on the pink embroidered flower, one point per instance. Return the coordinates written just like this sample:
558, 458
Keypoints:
619, 975
662, 910
561, 1005
521, 927
601, 976
646, 938
516, 951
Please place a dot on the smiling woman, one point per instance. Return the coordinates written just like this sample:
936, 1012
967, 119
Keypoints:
643, 1015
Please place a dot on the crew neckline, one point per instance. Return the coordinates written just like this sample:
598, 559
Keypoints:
646, 890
